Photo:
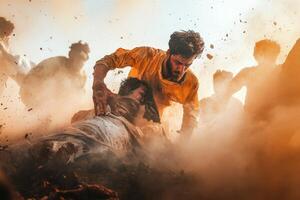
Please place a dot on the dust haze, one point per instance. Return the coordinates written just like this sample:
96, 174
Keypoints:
235, 157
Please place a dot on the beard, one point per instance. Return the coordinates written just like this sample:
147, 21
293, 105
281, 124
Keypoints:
171, 75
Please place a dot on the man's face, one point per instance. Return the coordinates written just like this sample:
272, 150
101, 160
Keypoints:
138, 94
178, 66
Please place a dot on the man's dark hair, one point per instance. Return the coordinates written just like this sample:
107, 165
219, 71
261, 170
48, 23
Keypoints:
129, 85
6, 27
186, 43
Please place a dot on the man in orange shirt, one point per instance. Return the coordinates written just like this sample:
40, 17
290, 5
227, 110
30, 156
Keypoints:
167, 72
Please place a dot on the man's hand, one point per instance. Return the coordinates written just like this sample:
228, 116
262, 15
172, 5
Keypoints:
101, 94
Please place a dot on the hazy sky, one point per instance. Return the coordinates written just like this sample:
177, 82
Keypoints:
231, 26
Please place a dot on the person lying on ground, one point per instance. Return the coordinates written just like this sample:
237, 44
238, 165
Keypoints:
117, 131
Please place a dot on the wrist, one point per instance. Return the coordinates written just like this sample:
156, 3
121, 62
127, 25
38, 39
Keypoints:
98, 84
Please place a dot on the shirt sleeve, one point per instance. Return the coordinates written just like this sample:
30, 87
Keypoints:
123, 57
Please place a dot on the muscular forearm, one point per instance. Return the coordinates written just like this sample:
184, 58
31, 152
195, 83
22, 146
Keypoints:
239, 81
188, 124
100, 91
100, 73
234, 87
189, 120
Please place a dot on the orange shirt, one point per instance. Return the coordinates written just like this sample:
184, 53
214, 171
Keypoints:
146, 63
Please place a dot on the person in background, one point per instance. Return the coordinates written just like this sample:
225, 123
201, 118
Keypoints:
55, 78
259, 79
214, 107
12, 66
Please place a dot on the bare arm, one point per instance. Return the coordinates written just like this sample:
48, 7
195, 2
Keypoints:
239, 81
100, 92
190, 113
189, 120
100, 73
119, 59
7, 56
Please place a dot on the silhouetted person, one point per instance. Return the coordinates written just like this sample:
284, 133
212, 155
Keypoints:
214, 107
259, 80
12, 66
289, 83
53, 79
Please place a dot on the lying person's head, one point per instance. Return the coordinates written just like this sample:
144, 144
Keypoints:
134, 93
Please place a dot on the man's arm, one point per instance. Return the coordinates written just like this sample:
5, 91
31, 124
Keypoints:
239, 81
189, 120
17, 66
6, 55
100, 72
100, 92
119, 59
190, 113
